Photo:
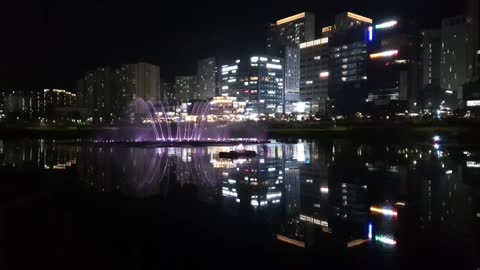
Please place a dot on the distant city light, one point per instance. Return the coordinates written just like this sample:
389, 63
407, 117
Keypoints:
314, 43
386, 25
370, 230
473, 103
274, 66
473, 164
384, 211
324, 189
324, 74
385, 240
384, 54
436, 138
370, 33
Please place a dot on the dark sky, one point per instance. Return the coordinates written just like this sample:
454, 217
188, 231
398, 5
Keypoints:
49, 44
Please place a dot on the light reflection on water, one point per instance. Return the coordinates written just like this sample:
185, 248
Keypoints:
332, 194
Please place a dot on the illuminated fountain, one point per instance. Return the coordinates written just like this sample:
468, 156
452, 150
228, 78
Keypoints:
171, 130
161, 122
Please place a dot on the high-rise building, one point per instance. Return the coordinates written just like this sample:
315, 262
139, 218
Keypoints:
146, 81
97, 94
207, 78
430, 46
348, 62
186, 88
291, 93
257, 80
456, 66
393, 66
430, 51
291, 31
283, 40
21, 105
109, 93
314, 59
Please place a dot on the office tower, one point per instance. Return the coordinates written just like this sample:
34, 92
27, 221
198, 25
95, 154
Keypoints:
393, 66
430, 51
327, 31
185, 88
257, 80
291, 93
291, 31
207, 78
348, 63
283, 40
314, 59
456, 66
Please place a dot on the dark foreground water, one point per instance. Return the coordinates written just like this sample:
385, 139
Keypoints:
328, 205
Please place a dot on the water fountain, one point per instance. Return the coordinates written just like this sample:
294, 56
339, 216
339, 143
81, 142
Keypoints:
175, 131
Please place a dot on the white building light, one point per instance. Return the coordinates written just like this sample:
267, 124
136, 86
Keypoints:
229, 68
274, 66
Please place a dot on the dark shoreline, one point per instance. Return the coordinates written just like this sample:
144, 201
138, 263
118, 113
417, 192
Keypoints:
379, 132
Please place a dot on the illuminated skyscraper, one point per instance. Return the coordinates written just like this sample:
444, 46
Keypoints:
207, 78
291, 31
348, 62
314, 58
283, 40
256, 80
291, 93
393, 65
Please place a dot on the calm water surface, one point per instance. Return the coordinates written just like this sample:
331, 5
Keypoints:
312, 203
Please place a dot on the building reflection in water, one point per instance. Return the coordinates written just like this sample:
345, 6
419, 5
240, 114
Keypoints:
316, 195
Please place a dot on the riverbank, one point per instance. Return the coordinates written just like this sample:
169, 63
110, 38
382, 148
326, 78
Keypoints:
382, 132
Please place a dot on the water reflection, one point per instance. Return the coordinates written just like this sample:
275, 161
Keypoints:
336, 194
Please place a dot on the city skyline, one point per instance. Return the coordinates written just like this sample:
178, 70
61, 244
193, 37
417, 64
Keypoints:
63, 51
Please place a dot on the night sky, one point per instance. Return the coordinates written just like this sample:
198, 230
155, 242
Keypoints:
49, 44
